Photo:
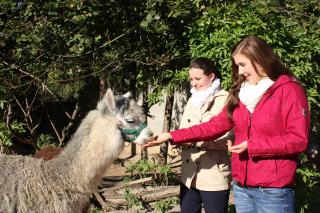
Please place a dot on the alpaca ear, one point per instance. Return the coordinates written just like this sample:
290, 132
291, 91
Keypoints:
127, 95
108, 101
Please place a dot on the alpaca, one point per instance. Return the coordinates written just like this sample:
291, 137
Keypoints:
65, 183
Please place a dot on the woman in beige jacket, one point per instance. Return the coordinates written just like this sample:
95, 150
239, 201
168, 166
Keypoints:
205, 170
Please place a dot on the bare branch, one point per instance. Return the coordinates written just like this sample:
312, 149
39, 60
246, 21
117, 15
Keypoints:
70, 124
55, 130
9, 114
44, 86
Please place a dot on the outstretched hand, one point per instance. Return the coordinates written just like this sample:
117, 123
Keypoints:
158, 140
237, 148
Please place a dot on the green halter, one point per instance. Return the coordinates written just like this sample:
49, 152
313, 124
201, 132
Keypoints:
131, 135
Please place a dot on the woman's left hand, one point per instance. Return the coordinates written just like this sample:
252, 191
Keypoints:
237, 148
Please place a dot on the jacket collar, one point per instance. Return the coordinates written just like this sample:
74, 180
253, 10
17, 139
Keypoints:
282, 79
208, 103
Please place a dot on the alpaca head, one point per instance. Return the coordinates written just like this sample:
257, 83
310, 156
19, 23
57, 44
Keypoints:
130, 116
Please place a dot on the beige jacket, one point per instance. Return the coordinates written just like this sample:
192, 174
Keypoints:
206, 165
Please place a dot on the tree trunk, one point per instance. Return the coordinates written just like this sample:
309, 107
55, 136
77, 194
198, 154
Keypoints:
166, 125
144, 152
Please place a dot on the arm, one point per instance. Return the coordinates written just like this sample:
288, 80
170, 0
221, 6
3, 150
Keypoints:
214, 128
294, 138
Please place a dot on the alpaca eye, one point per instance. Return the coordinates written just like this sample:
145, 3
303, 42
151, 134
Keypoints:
129, 120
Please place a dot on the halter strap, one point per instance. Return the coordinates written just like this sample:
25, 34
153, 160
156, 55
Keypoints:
131, 135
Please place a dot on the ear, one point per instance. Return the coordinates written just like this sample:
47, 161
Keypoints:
127, 95
108, 101
212, 76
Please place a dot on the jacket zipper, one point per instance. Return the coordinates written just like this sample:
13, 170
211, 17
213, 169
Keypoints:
249, 128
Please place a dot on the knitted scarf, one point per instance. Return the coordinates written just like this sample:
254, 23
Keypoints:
198, 98
250, 94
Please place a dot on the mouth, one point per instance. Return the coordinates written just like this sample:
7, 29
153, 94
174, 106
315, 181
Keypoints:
145, 136
246, 77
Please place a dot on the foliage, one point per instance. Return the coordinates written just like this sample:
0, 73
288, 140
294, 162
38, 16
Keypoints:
40, 49
307, 190
291, 27
142, 168
293, 31
162, 174
6, 133
132, 200
165, 204
173, 80
51, 51
57, 48
45, 140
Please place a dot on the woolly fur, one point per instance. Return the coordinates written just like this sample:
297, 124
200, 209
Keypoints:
64, 184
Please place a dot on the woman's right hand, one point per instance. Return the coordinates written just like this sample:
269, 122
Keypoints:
158, 140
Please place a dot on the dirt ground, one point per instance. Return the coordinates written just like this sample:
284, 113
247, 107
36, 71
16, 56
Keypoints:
119, 169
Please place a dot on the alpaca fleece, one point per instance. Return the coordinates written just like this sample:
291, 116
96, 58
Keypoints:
65, 183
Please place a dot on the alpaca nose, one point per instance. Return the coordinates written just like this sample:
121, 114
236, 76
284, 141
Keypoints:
145, 135
150, 133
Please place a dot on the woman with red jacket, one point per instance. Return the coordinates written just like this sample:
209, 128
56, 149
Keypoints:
268, 112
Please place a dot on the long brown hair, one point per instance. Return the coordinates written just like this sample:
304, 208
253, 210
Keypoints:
258, 52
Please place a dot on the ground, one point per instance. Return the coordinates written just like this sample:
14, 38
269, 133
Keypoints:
117, 171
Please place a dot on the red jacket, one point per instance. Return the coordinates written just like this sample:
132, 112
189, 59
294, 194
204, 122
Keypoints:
277, 132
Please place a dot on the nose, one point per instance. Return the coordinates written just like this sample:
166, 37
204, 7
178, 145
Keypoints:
193, 84
240, 70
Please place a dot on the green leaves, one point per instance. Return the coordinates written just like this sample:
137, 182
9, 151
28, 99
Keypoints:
65, 44
295, 37
164, 205
7, 132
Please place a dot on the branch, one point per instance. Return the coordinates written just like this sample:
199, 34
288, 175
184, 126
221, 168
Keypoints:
44, 86
123, 185
67, 128
27, 116
9, 114
70, 124
91, 51
55, 130
101, 200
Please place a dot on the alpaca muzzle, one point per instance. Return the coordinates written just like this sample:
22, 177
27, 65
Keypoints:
137, 135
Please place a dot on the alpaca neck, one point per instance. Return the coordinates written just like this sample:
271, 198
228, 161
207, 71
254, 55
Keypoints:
95, 145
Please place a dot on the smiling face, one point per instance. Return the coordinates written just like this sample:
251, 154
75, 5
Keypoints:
252, 73
198, 80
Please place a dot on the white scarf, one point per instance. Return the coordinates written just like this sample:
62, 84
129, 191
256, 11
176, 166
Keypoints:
250, 95
198, 98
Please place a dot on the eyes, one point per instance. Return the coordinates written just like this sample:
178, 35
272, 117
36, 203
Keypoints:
129, 120
194, 79
241, 64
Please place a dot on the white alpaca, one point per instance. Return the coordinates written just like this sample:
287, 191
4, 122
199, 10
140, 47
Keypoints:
65, 183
